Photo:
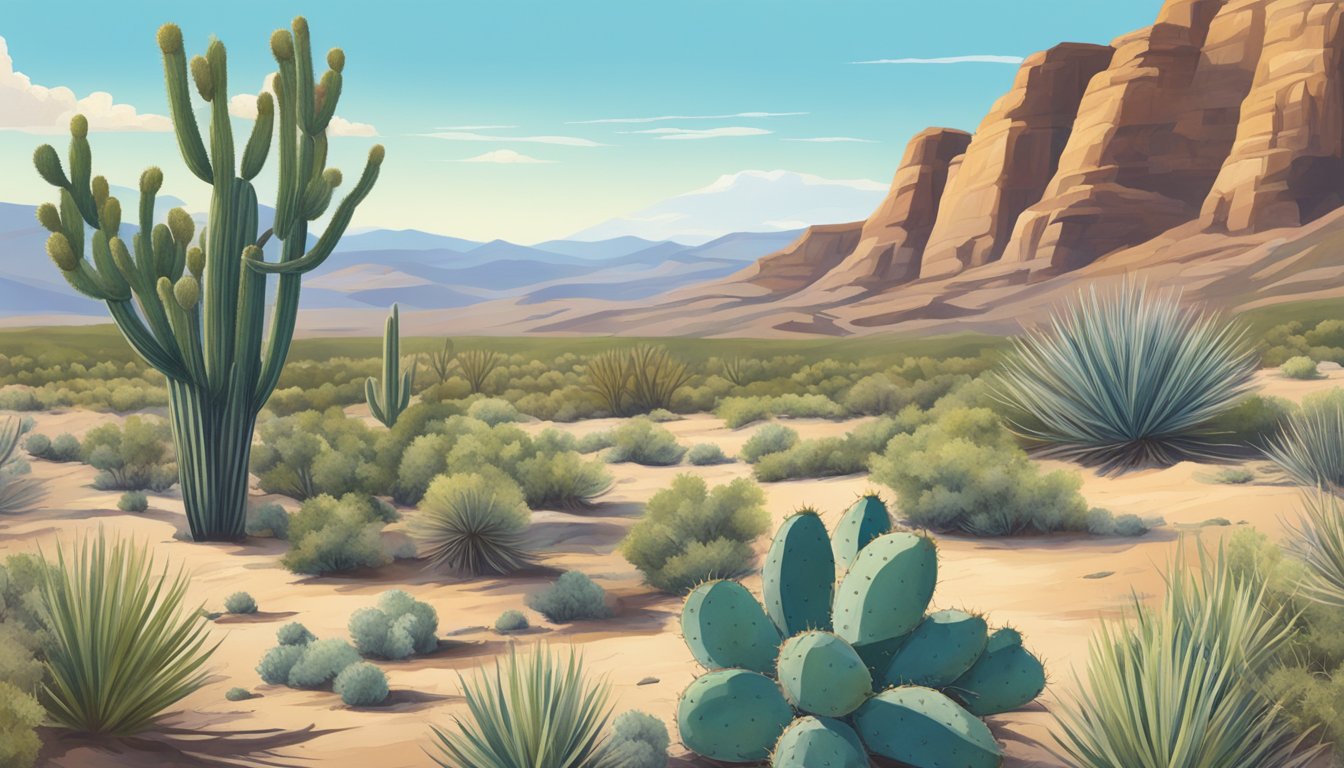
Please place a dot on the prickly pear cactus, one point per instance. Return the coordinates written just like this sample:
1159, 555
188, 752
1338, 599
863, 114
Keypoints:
732, 715
887, 589
822, 675
1004, 678
819, 742
724, 627
922, 728
798, 577
864, 521
940, 650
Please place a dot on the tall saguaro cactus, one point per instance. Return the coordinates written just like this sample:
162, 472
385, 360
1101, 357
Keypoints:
388, 402
195, 308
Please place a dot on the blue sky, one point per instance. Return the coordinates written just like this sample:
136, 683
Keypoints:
548, 69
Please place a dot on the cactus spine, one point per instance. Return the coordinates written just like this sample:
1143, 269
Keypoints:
195, 309
388, 402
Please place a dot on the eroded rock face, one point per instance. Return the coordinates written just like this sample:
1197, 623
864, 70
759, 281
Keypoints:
1011, 158
816, 252
893, 238
1286, 166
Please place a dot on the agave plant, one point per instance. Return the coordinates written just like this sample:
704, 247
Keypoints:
124, 645
1178, 687
17, 492
1311, 448
1317, 540
473, 524
534, 711
1126, 378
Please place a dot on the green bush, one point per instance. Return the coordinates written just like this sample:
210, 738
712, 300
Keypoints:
541, 704
329, 535
275, 665
706, 455
511, 621
642, 442
133, 501
639, 740
1324, 341
133, 456
320, 661
833, 456
572, 597
294, 633
269, 520
1254, 421
595, 441
1300, 367
964, 473
741, 411
771, 438
20, 715
473, 524
1234, 476
240, 602
313, 453
361, 685
690, 534
1102, 522
62, 449
107, 598
398, 628
493, 410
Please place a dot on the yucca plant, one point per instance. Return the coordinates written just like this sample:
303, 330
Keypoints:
608, 376
17, 492
735, 371
1311, 448
124, 647
533, 711
1317, 540
1125, 379
473, 524
1179, 686
655, 377
477, 365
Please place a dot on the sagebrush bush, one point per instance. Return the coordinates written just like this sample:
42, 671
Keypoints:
642, 442
240, 602
493, 410
1234, 476
572, 597
771, 438
639, 740
1323, 341
473, 524
964, 472
276, 664
741, 411
133, 501
511, 621
320, 661
65, 447
269, 520
835, 456
314, 453
361, 685
1254, 421
294, 633
1300, 367
690, 533
706, 455
328, 535
1103, 522
20, 715
399, 627
136, 455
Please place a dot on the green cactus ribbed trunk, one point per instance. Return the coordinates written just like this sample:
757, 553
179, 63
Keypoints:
386, 402
195, 307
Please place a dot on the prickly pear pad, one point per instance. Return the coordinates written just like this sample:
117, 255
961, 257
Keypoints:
819, 742
798, 578
724, 626
941, 649
922, 728
887, 589
732, 715
822, 675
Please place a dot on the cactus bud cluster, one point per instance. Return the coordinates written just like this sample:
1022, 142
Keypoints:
863, 668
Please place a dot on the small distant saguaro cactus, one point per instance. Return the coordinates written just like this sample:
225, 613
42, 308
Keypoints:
388, 402
195, 308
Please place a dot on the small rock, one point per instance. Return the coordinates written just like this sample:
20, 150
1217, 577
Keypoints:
648, 681
1099, 575
464, 631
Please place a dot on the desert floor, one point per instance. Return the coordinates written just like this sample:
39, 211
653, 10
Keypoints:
1052, 588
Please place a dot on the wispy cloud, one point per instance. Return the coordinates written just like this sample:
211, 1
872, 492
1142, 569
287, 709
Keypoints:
473, 127
707, 133
662, 118
504, 157
835, 140
26, 106
564, 141
244, 105
972, 59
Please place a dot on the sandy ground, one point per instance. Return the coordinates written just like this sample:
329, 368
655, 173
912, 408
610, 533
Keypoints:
1052, 588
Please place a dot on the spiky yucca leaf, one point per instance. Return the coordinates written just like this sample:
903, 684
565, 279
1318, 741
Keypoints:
1126, 378
17, 492
1311, 448
473, 524
124, 647
655, 377
1317, 539
608, 376
534, 711
1178, 687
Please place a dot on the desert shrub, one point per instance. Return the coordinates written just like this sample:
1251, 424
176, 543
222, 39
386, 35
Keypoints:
1102, 522
1254, 421
237, 694
690, 533
134, 456
361, 685
133, 501
562, 479
20, 714
832, 456
276, 664
706, 455
771, 438
473, 524
539, 704
477, 366
320, 661
1234, 476
572, 597
639, 740
65, 447
1300, 367
1199, 657
1311, 448
741, 411
312, 453
1127, 378
493, 410
511, 621
19, 398
1324, 341
268, 520
662, 416
595, 441
294, 633
399, 627
874, 395
329, 535
106, 598
240, 602
642, 442
964, 473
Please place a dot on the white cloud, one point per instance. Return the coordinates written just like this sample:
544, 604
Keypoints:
708, 133
835, 140
31, 108
565, 141
504, 157
473, 127
244, 105
685, 117
972, 59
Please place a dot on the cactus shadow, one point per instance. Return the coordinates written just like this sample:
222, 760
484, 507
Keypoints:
182, 747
